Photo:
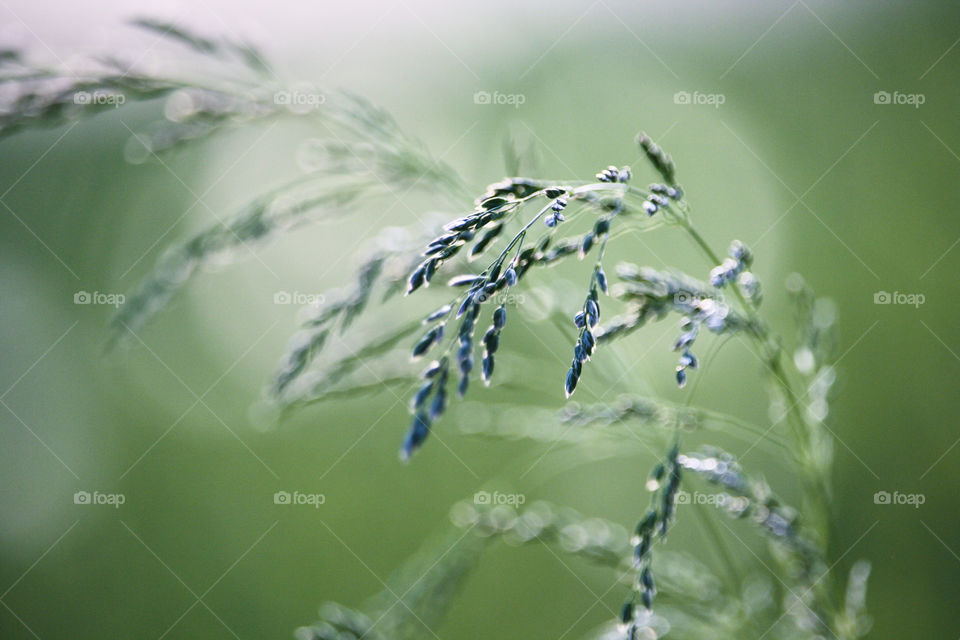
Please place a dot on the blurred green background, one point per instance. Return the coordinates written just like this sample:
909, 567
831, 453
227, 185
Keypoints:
799, 162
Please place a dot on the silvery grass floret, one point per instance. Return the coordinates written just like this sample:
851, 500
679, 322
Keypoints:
515, 229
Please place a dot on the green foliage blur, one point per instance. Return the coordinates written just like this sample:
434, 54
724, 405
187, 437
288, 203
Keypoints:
799, 161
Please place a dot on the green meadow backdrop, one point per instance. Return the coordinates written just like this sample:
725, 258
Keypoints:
824, 135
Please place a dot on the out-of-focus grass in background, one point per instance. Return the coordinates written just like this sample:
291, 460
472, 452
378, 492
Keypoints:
799, 162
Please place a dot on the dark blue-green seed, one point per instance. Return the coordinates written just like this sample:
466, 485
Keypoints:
571, 383
500, 317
